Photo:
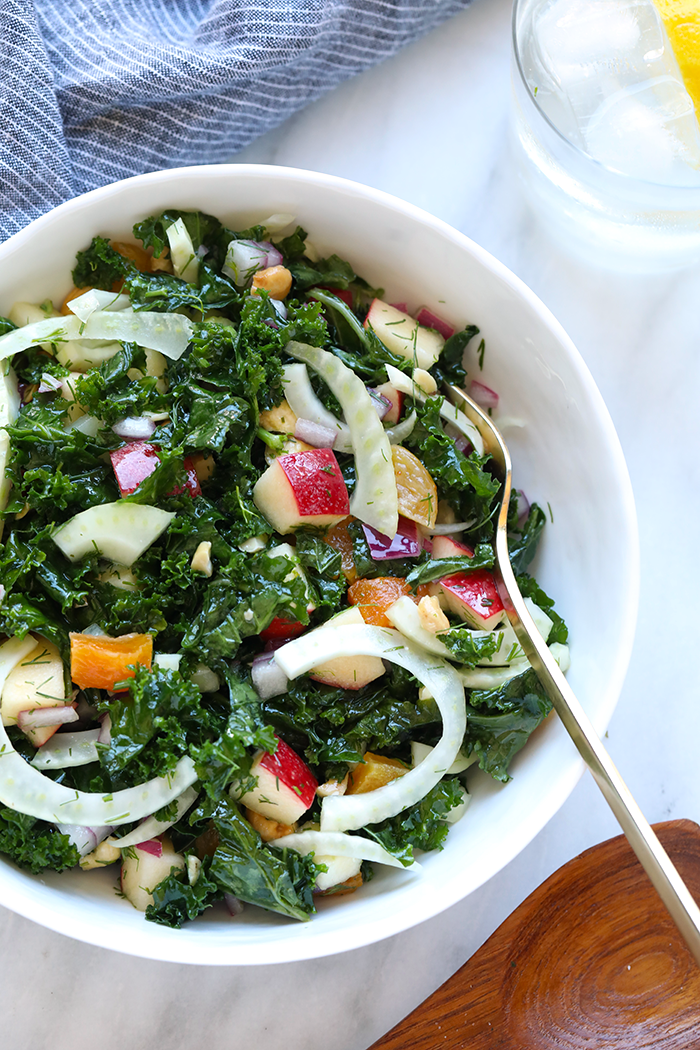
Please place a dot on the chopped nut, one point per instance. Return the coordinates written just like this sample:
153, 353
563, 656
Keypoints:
201, 559
269, 830
23, 512
275, 280
253, 544
106, 853
431, 616
424, 380
333, 787
194, 867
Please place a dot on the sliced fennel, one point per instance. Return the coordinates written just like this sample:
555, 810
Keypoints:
184, 258
120, 531
51, 330
85, 305
26, 790
448, 411
152, 826
304, 403
495, 677
338, 844
64, 750
375, 499
419, 752
400, 432
405, 617
9, 410
170, 334
80, 355
350, 812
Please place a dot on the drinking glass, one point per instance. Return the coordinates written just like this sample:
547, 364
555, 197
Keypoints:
613, 219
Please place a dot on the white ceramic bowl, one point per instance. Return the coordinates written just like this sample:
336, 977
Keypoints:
566, 455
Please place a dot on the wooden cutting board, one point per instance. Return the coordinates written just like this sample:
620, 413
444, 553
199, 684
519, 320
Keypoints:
590, 961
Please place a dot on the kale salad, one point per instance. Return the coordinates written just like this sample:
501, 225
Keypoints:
250, 638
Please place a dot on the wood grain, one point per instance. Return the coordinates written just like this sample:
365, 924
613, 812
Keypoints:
590, 961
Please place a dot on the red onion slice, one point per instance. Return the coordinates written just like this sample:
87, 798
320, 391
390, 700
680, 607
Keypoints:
234, 906
400, 306
49, 384
105, 736
274, 255
134, 428
314, 433
405, 544
523, 506
382, 404
83, 838
484, 396
427, 318
41, 717
268, 677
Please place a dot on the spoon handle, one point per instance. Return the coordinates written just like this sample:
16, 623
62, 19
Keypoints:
662, 873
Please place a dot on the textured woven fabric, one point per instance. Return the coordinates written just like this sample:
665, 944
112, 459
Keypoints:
98, 90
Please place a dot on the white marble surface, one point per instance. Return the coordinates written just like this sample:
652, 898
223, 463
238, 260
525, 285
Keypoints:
430, 126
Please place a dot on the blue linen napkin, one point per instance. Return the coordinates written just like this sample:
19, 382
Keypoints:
98, 90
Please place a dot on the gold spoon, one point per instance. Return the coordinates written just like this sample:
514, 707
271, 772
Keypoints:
650, 853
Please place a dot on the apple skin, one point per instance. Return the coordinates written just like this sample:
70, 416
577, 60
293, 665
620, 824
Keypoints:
134, 462
396, 397
286, 786
281, 630
473, 596
302, 488
446, 547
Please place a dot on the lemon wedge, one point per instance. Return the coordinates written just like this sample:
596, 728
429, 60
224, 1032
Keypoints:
681, 19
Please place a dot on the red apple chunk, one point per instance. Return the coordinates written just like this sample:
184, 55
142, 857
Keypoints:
135, 461
286, 786
473, 597
302, 488
446, 547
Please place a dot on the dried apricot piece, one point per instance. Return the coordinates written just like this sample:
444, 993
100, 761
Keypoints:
339, 538
134, 253
416, 489
374, 772
99, 661
373, 597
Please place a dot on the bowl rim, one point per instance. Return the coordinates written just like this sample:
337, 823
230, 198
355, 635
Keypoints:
175, 946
